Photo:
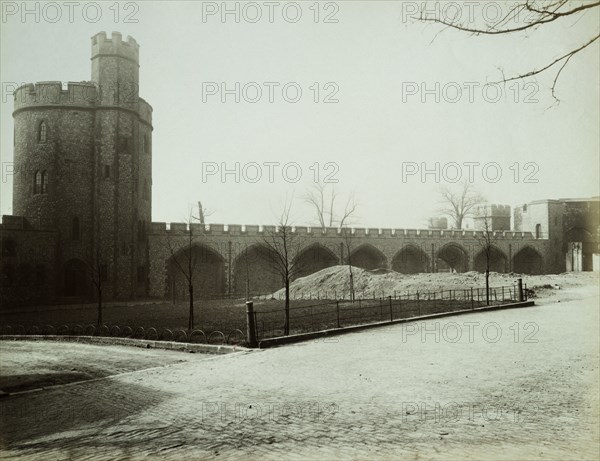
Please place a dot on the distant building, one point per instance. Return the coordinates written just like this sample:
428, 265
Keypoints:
496, 216
437, 223
573, 226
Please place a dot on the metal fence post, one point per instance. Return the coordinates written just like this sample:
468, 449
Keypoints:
251, 324
391, 310
337, 309
520, 285
472, 300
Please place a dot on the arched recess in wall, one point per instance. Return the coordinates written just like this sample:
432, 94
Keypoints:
411, 260
579, 234
528, 261
76, 280
313, 259
255, 271
208, 273
452, 258
498, 260
368, 257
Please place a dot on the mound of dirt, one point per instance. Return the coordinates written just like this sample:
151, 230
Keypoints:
334, 282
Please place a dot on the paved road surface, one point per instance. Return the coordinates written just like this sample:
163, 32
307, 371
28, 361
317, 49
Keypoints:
514, 384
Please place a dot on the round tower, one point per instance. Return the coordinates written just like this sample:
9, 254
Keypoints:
115, 68
82, 155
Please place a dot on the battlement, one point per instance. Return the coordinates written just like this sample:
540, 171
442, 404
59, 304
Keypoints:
54, 93
115, 46
75, 94
161, 228
493, 211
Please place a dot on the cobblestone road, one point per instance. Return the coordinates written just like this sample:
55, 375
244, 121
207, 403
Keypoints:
514, 384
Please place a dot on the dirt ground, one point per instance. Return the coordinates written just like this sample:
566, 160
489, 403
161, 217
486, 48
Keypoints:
503, 385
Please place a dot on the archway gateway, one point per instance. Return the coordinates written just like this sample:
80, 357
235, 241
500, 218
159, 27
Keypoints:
207, 270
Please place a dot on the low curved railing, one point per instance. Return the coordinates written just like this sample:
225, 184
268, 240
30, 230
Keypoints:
234, 337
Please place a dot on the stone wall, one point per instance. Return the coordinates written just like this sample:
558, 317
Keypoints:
317, 248
28, 272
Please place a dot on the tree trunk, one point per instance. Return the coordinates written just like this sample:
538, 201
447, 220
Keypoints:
487, 286
351, 284
99, 306
286, 322
191, 319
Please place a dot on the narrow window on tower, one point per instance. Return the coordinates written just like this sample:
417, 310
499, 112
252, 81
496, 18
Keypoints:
75, 231
37, 183
146, 191
43, 132
44, 188
146, 144
106, 171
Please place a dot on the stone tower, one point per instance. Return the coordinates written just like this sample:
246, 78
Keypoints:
84, 168
497, 217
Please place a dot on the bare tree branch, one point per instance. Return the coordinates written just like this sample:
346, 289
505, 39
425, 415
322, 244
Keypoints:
459, 203
546, 15
322, 199
540, 14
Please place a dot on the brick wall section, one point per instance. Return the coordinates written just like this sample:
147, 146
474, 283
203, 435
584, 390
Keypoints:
324, 250
29, 259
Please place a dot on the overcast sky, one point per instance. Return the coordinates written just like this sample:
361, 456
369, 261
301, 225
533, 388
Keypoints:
374, 61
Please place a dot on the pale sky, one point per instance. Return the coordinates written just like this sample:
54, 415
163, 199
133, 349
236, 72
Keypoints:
376, 63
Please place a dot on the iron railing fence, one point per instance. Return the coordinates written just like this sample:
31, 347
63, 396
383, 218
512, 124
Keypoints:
343, 312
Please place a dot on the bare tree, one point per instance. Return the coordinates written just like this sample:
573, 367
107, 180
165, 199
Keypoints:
459, 203
525, 16
186, 260
282, 247
97, 274
323, 198
486, 240
347, 245
203, 213
247, 268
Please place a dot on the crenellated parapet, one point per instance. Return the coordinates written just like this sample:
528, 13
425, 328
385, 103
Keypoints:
82, 94
161, 228
70, 95
102, 45
500, 210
